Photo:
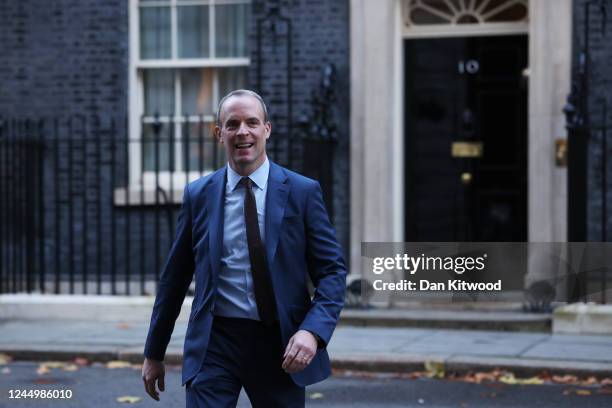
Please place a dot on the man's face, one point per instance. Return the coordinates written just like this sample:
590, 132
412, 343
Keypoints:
244, 133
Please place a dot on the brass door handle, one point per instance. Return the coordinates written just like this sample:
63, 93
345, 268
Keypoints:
466, 177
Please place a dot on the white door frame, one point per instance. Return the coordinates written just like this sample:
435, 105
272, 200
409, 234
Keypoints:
377, 148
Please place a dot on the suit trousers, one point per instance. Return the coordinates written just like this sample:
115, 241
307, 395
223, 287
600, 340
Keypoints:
243, 353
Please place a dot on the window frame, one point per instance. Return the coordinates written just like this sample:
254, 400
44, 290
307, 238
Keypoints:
170, 180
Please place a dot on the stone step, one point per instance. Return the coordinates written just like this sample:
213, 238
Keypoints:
448, 319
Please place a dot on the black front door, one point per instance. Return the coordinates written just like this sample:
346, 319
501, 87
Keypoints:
466, 139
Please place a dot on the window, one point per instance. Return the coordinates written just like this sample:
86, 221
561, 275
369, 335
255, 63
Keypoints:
185, 55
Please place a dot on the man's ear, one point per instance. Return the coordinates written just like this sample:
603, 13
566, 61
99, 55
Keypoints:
268, 126
218, 134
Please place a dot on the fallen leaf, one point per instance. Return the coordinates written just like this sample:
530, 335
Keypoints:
589, 381
5, 359
434, 369
118, 364
42, 370
81, 361
123, 326
316, 395
606, 381
53, 364
565, 379
480, 377
6, 370
512, 380
128, 399
71, 367
531, 381
583, 392
545, 375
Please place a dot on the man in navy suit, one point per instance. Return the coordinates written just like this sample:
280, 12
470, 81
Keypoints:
250, 232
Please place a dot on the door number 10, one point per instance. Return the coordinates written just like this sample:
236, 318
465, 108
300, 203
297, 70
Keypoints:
469, 66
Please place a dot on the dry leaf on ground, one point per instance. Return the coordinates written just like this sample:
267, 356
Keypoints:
583, 392
565, 379
118, 364
434, 369
5, 359
128, 399
606, 381
71, 367
589, 381
81, 361
42, 370
53, 364
512, 380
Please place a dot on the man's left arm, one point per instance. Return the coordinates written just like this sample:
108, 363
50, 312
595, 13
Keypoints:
326, 267
328, 274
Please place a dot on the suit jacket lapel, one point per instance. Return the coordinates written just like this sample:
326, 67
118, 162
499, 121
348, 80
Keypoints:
276, 199
214, 206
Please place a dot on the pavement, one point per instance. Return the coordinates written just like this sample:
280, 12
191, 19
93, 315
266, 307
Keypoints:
369, 348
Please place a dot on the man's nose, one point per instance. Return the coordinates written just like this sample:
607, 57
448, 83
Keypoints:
242, 129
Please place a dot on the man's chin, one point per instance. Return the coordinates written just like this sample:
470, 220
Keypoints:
243, 161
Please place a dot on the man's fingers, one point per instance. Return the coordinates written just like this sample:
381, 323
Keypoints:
289, 345
160, 383
299, 363
290, 356
150, 388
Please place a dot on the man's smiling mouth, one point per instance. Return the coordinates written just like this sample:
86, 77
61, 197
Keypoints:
243, 145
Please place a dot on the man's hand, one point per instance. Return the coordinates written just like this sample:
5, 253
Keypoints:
300, 351
153, 370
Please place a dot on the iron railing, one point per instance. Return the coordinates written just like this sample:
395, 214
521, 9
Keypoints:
85, 209
583, 133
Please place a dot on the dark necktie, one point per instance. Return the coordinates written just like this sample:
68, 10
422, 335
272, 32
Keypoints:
264, 295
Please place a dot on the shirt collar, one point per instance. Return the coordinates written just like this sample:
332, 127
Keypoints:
259, 177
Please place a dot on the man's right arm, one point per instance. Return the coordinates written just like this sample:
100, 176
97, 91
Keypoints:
173, 284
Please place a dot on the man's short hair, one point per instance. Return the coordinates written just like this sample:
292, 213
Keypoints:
241, 92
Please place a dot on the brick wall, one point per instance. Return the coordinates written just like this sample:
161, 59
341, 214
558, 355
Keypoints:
63, 57
320, 36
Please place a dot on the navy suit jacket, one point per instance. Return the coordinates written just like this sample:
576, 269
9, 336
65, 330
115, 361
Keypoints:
299, 240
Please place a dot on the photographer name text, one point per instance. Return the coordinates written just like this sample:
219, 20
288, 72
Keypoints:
425, 285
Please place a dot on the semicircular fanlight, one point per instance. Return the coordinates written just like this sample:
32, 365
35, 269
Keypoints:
428, 12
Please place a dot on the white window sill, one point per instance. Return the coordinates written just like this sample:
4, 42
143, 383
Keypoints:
169, 190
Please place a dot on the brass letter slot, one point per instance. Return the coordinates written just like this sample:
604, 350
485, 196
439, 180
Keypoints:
466, 149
